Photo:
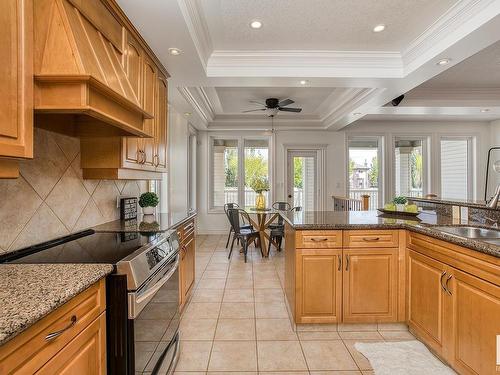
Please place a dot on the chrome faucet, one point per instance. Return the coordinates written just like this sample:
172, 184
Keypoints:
493, 202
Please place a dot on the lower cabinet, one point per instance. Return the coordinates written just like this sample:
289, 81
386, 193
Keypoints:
319, 285
187, 261
455, 313
370, 285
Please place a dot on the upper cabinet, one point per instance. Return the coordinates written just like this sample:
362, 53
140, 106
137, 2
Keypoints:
80, 67
16, 84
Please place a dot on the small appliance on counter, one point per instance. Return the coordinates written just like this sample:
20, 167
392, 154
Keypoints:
142, 294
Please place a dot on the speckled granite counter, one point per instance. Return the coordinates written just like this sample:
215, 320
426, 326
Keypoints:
373, 220
31, 291
153, 224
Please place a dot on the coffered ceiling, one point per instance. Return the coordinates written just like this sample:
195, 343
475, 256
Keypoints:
348, 71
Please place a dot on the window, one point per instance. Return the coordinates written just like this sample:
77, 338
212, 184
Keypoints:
364, 169
456, 168
409, 167
236, 164
192, 148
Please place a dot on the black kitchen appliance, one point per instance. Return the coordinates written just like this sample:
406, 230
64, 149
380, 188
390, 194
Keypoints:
142, 294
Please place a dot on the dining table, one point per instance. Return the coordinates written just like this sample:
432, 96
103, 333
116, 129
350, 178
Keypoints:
260, 220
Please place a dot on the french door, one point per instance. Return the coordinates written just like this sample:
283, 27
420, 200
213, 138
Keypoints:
302, 179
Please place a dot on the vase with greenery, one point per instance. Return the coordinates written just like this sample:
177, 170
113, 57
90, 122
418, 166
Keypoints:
148, 201
259, 184
400, 203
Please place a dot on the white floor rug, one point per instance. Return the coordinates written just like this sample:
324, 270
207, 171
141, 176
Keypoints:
402, 358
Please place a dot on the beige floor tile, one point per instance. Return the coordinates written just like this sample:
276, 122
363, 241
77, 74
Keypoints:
232, 373
198, 329
275, 330
327, 355
235, 329
397, 335
266, 282
233, 356
357, 327
202, 310
194, 355
212, 284
221, 274
243, 283
269, 295
268, 310
280, 356
392, 327
316, 327
359, 358
369, 372
217, 267
189, 372
240, 274
318, 335
335, 373
208, 295
237, 310
283, 373
367, 335
238, 295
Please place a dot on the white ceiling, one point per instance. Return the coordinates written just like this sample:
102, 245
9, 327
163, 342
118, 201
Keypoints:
351, 71
319, 24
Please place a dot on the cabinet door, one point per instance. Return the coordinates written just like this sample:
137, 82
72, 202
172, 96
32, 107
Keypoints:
150, 105
476, 324
428, 304
370, 285
189, 264
319, 285
84, 355
16, 79
161, 126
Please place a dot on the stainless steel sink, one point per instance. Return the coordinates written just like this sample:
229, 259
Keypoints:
471, 232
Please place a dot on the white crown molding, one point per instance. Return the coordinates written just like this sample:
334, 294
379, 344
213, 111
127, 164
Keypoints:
198, 28
296, 63
203, 112
459, 21
428, 93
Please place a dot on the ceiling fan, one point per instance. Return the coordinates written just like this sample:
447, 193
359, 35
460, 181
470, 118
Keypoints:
273, 105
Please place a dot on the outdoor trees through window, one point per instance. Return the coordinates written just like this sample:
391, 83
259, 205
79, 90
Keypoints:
408, 163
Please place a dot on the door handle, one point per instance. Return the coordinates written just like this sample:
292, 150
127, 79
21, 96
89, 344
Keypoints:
289, 195
314, 239
347, 262
371, 239
339, 260
446, 285
55, 335
441, 281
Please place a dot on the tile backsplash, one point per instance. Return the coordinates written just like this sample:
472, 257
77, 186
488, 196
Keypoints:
50, 198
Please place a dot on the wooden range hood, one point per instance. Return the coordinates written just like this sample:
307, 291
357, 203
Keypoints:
80, 82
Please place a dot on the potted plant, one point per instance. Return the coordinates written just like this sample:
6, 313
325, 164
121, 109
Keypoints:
259, 184
400, 203
148, 201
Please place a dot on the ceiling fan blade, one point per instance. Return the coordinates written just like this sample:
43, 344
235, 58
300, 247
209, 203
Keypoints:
256, 102
285, 102
290, 109
254, 110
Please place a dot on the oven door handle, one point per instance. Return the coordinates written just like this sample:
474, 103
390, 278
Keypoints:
136, 303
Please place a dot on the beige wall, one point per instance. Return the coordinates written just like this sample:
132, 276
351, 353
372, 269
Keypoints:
51, 199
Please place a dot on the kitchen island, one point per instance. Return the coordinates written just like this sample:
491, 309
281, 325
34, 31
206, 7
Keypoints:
359, 267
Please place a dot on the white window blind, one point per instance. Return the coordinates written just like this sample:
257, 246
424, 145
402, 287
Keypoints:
455, 173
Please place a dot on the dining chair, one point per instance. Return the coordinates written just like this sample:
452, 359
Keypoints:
296, 209
245, 236
227, 206
279, 206
278, 230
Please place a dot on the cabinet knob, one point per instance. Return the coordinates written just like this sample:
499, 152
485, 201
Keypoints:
156, 160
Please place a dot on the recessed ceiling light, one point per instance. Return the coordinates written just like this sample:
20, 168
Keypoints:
187, 114
304, 82
174, 51
484, 110
256, 24
357, 113
443, 61
379, 28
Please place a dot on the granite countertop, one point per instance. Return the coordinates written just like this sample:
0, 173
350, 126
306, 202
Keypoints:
374, 220
151, 223
453, 202
31, 291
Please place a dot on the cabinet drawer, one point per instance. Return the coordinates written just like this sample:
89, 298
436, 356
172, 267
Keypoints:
371, 238
319, 239
26, 353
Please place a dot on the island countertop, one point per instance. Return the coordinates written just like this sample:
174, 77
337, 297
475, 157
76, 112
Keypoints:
425, 224
31, 291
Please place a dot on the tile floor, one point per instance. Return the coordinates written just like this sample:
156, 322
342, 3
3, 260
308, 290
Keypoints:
237, 322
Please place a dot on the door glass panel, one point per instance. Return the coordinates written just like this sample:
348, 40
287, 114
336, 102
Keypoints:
364, 167
256, 169
408, 162
225, 172
304, 182
454, 168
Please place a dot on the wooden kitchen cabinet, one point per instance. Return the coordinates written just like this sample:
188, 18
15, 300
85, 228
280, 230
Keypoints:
187, 266
16, 84
370, 285
80, 349
319, 285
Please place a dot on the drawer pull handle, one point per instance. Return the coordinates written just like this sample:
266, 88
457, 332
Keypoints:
56, 334
371, 239
313, 239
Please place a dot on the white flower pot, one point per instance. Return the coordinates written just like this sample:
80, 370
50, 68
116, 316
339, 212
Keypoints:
400, 207
148, 210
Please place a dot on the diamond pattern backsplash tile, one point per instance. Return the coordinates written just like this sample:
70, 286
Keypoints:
51, 199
